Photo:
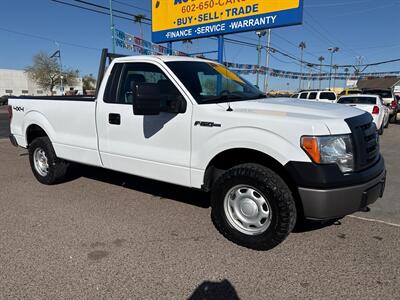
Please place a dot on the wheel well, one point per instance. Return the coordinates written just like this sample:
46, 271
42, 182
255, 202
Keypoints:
233, 157
34, 131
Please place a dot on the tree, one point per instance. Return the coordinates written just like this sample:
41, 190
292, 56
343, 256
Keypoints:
187, 43
138, 19
302, 46
89, 83
45, 72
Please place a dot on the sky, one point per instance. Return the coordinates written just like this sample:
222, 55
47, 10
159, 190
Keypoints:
360, 28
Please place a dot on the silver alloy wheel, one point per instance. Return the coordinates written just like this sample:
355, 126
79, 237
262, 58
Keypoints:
40, 161
247, 210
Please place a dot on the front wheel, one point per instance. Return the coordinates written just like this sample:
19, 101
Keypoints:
253, 207
46, 166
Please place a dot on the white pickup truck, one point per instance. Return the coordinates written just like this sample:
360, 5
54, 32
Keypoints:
192, 122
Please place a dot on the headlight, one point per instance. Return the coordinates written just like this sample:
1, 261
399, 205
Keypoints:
336, 149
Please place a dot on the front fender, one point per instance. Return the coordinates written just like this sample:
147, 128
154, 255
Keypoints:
253, 138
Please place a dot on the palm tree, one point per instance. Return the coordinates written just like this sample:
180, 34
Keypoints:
346, 70
138, 19
302, 46
321, 60
188, 42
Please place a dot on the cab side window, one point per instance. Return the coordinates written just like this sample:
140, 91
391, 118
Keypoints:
129, 75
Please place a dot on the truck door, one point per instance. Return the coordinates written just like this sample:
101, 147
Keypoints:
156, 147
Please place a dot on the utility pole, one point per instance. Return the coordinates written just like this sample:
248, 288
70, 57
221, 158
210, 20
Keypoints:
266, 78
302, 46
321, 60
259, 34
332, 51
112, 26
60, 62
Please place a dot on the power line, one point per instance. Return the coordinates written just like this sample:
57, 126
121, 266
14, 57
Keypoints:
107, 8
90, 9
133, 6
238, 42
48, 39
98, 11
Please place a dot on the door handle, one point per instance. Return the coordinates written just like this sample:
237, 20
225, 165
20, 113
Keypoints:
114, 119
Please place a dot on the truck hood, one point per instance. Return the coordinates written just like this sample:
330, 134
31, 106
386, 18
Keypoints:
296, 108
315, 113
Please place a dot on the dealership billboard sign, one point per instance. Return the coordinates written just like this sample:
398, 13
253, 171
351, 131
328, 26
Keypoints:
174, 20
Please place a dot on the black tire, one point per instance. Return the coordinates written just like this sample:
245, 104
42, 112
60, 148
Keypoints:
272, 187
57, 168
380, 131
393, 119
387, 124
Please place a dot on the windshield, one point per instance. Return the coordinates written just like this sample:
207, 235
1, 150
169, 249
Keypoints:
357, 100
213, 83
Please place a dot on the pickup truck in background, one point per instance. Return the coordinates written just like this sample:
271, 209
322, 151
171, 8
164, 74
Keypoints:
266, 162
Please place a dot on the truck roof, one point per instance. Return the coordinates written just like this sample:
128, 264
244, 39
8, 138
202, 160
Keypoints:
164, 58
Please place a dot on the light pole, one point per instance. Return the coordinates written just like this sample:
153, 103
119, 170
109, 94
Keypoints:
321, 60
112, 26
332, 51
302, 46
58, 55
335, 67
346, 70
310, 66
260, 34
266, 78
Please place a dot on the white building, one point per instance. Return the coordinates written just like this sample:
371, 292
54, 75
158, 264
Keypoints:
18, 83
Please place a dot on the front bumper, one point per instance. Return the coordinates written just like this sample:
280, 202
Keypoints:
323, 204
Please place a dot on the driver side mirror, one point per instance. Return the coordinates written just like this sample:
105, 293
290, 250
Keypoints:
146, 99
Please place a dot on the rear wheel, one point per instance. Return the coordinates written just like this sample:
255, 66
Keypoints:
46, 166
253, 207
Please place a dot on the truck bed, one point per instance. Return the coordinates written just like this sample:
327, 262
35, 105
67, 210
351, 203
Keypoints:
69, 121
57, 98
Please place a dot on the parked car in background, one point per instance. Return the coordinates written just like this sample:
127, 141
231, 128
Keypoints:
372, 104
352, 91
322, 96
388, 99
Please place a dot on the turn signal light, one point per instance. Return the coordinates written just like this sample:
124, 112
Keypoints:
310, 145
375, 111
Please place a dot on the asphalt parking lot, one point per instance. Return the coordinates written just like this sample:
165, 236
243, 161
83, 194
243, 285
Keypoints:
106, 235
